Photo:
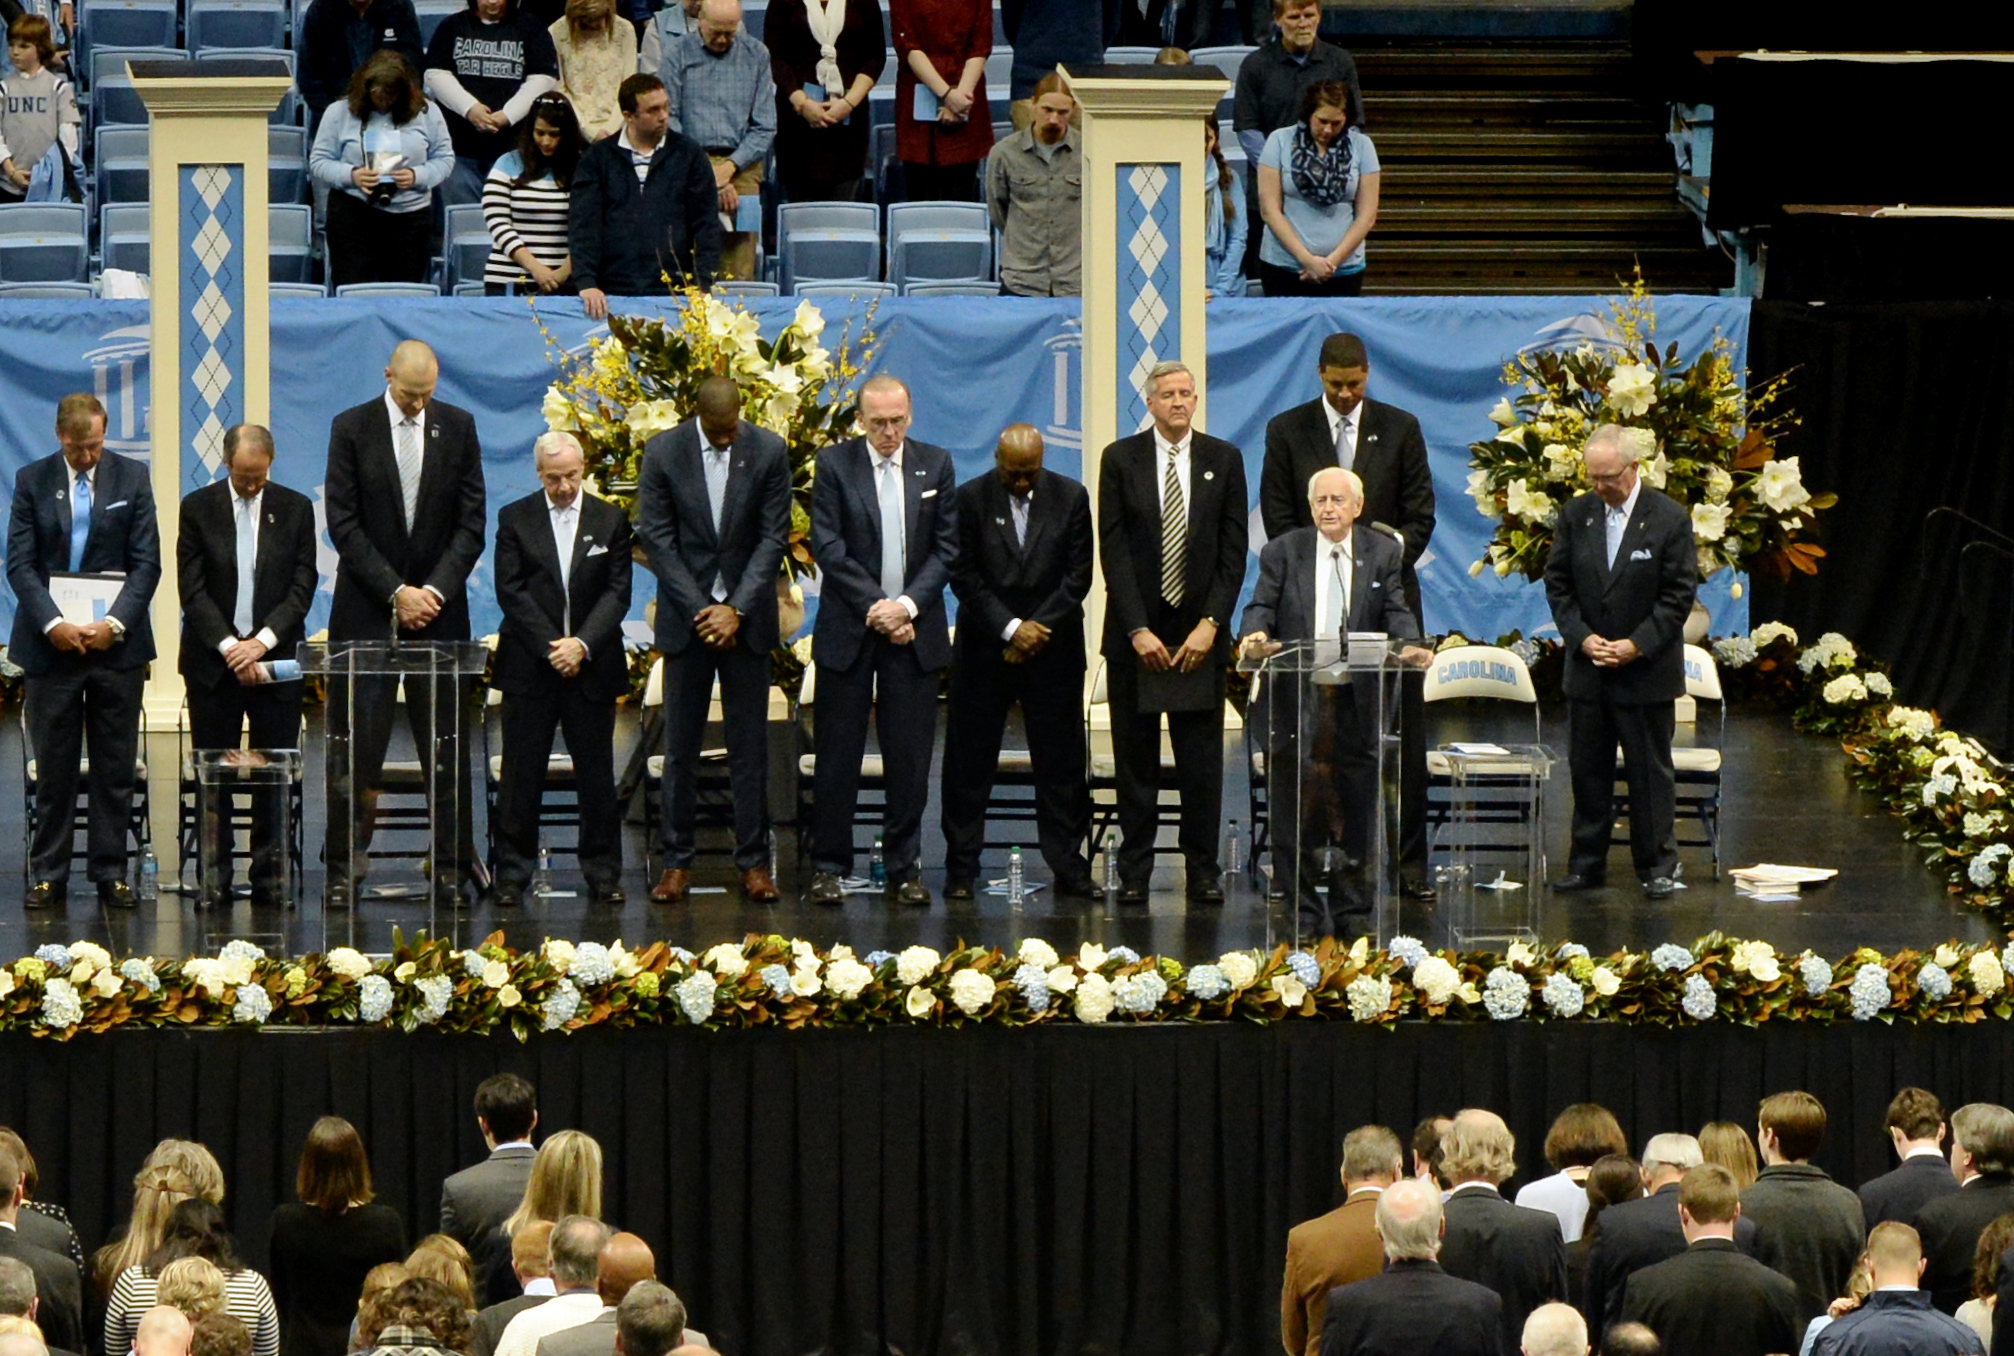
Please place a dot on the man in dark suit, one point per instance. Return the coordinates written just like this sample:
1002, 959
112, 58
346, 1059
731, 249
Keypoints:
628, 231
884, 530
1023, 568
1713, 1299
1638, 1234
1807, 1226
1982, 1163
1341, 1246
88, 511
1897, 1317
245, 555
1383, 445
59, 1286
406, 515
1916, 1129
1412, 1306
1171, 528
716, 555
1515, 1251
1620, 581
477, 1199
531, 1267
1320, 583
562, 580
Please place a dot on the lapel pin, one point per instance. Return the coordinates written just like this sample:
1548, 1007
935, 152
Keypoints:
1000, 522
1209, 475
1372, 438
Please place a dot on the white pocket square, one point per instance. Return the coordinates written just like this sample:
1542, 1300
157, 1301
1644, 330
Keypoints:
121, 504
597, 550
1377, 583
1639, 554
930, 494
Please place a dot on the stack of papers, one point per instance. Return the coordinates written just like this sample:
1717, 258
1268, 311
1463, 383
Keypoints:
1770, 882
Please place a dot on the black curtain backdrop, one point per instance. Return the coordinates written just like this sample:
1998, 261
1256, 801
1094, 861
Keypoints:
1061, 1189
1906, 407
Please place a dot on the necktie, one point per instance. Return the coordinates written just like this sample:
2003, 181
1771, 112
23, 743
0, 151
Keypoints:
562, 537
1346, 446
1174, 537
1615, 525
409, 467
1339, 594
890, 495
1018, 505
247, 551
80, 520
716, 495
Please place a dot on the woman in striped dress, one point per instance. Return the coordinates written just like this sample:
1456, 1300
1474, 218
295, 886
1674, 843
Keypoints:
524, 203
195, 1229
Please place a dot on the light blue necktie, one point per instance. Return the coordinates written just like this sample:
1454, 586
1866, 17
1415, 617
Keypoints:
1614, 527
890, 494
1339, 594
247, 551
1018, 504
716, 460
1346, 446
80, 520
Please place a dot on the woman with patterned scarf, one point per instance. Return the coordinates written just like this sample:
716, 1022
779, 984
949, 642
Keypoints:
1318, 195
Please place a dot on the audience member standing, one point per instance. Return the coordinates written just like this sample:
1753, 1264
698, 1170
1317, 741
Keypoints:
1897, 1317
940, 139
565, 1180
43, 1223
1614, 1179
1342, 1246
1991, 1270
1412, 1306
195, 1229
1581, 1136
644, 207
174, 1171
626, 1263
650, 1321
327, 1241
38, 113
485, 67
826, 56
525, 203
596, 51
422, 1317
723, 99
1711, 1299
1982, 1162
577, 1243
479, 1198
381, 152
59, 1286
531, 1267
1318, 195
1045, 34
1514, 1251
1630, 1339
1733, 1148
1807, 1226
338, 36
1226, 219
1916, 1130
1554, 1330
1271, 79
674, 19
163, 1332
1034, 190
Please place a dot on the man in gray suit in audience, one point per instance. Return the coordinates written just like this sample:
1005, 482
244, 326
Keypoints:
531, 1263
479, 1198
627, 1266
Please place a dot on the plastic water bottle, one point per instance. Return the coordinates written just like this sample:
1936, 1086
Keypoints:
774, 870
541, 881
1017, 881
1234, 849
150, 876
877, 864
1111, 850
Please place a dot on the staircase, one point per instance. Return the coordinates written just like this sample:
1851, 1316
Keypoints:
1521, 166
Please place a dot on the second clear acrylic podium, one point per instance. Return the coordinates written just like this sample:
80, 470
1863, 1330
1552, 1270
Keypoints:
419, 806
1328, 718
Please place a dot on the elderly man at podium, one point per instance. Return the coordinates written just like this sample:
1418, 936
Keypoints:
1321, 583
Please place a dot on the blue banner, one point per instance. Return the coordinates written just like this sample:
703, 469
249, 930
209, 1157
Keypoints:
975, 366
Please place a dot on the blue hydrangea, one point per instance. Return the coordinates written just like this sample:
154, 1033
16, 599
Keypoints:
875, 958
54, 955
1526, 650
60, 1005
1699, 1002
1869, 991
682, 956
1033, 982
436, 992
1671, 956
1123, 955
1934, 980
374, 998
1562, 995
1305, 967
1407, 951
473, 963
560, 1005
695, 997
591, 964
1571, 951
254, 1004
1140, 993
236, 948
1816, 972
1208, 983
1506, 993
777, 978
140, 972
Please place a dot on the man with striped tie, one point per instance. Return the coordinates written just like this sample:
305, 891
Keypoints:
1172, 536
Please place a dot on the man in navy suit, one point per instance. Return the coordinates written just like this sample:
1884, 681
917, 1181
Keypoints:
1171, 526
1023, 568
716, 555
245, 556
563, 581
1620, 581
1916, 1129
1412, 1306
406, 514
89, 511
1321, 583
884, 531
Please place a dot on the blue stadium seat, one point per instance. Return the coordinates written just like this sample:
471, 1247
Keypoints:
287, 114
471, 289
43, 242
113, 98
939, 242
1000, 80
465, 245
288, 289
953, 289
824, 241
290, 240
388, 289
286, 163
431, 13
126, 23
124, 231
121, 159
217, 25
1225, 59
46, 291
730, 288
858, 289
1131, 56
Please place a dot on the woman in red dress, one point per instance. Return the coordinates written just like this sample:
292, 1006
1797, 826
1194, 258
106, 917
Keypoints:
943, 46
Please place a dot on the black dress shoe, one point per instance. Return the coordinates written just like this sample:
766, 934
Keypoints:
911, 891
44, 894
1207, 890
1415, 887
959, 887
506, 896
608, 893
1132, 892
1659, 887
826, 889
1574, 881
213, 899
116, 894
1077, 887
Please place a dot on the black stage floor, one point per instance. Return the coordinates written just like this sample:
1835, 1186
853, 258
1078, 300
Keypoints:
1786, 799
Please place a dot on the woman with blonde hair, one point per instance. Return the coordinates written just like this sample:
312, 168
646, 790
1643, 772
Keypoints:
327, 1241
597, 52
439, 1257
1727, 1144
370, 1319
195, 1228
565, 1180
176, 1171
193, 1285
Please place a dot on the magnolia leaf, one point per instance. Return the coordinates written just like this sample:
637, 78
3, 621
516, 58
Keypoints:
1753, 452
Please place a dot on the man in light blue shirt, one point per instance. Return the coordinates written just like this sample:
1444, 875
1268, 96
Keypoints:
724, 98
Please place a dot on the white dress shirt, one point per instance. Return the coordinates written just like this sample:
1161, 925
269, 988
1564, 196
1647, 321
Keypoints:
1325, 579
874, 460
565, 531
1627, 509
398, 416
1563, 1196
1181, 450
639, 160
256, 504
70, 488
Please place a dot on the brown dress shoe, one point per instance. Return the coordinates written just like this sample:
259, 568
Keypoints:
670, 887
758, 885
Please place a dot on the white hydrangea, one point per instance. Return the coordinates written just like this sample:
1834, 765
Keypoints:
971, 990
1035, 951
1436, 979
558, 953
1093, 1001
1832, 651
1982, 824
1985, 973
349, 962
915, 964
1769, 632
1879, 685
1986, 868
1734, 652
1240, 967
726, 960
1369, 996
1916, 724
1847, 687
847, 978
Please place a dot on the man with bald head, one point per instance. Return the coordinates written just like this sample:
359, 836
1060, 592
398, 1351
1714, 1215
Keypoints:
626, 1266
563, 582
163, 1331
1320, 583
406, 513
1023, 569
713, 514
1412, 1306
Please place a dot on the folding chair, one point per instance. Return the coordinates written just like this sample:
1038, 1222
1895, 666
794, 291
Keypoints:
137, 821
1482, 674
1695, 766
